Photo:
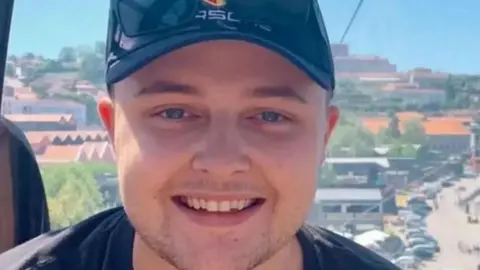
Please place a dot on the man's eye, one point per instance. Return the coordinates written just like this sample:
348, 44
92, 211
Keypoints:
174, 114
271, 117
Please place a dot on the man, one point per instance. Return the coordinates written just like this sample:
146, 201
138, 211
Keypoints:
219, 115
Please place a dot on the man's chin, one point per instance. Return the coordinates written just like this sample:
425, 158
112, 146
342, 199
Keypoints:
216, 261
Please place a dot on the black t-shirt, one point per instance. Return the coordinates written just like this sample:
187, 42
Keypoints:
105, 242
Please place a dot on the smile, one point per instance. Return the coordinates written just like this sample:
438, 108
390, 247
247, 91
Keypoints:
218, 212
217, 206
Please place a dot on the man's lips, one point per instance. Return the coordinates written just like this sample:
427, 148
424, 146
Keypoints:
217, 204
216, 213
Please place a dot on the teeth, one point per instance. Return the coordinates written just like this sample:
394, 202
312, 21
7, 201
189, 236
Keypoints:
217, 206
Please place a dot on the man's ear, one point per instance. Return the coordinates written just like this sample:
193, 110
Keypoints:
106, 112
333, 116
332, 119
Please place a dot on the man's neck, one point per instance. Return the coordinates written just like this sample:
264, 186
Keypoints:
288, 258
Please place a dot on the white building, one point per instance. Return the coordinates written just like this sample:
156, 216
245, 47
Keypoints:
11, 105
336, 207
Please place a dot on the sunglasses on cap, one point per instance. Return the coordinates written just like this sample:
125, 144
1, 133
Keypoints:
142, 17
142, 30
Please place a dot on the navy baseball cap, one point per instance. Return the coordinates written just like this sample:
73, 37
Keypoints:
139, 32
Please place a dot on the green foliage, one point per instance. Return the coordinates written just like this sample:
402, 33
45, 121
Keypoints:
67, 55
92, 68
414, 133
349, 139
100, 48
384, 138
393, 129
10, 70
40, 89
395, 149
459, 89
72, 191
92, 62
346, 86
409, 150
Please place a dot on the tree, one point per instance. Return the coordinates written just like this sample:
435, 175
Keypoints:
28, 56
384, 138
100, 48
72, 192
395, 149
346, 86
409, 150
41, 89
351, 140
92, 68
84, 50
414, 133
67, 55
393, 129
10, 70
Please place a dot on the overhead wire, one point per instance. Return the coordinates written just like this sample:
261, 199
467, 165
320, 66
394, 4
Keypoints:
350, 23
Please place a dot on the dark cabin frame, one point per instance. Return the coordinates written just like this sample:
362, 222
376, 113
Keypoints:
23, 205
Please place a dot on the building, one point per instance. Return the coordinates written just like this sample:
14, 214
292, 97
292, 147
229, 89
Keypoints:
43, 122
337, 207
365, 173
363, 64
22, 100
401, 171
449, 135
358, 172
346, 62
445, 134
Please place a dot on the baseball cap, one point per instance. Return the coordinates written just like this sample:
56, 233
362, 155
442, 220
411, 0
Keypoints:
140, 31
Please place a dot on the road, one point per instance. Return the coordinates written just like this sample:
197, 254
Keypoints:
449, 225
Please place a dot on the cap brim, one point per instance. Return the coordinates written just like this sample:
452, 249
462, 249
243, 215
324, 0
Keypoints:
134, 61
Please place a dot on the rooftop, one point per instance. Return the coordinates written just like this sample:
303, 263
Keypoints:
359, 160
348, 194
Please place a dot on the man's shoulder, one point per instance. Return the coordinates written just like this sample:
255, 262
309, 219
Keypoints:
62, 247
337, 252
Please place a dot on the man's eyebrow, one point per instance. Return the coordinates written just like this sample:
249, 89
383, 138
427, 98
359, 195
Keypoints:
285, 92
166, 87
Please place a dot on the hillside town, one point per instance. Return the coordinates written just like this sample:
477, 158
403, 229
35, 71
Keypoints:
412, 161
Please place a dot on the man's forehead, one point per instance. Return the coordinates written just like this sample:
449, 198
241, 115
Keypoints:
231, 64
224, 52
286, 92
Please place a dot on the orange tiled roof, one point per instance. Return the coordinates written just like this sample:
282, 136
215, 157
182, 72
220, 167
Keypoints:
459, 119
92, 148
36, 137
375, 124
23, 90
26, 96
407, 116
61, 153
433, 126
442, 127
62, 135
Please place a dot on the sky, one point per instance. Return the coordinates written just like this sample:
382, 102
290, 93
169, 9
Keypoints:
440, 34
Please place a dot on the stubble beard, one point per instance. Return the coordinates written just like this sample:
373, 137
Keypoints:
163, 245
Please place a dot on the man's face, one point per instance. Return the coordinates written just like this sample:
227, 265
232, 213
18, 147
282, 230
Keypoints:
218, 146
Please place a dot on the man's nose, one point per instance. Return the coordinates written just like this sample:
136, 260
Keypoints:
222, 152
